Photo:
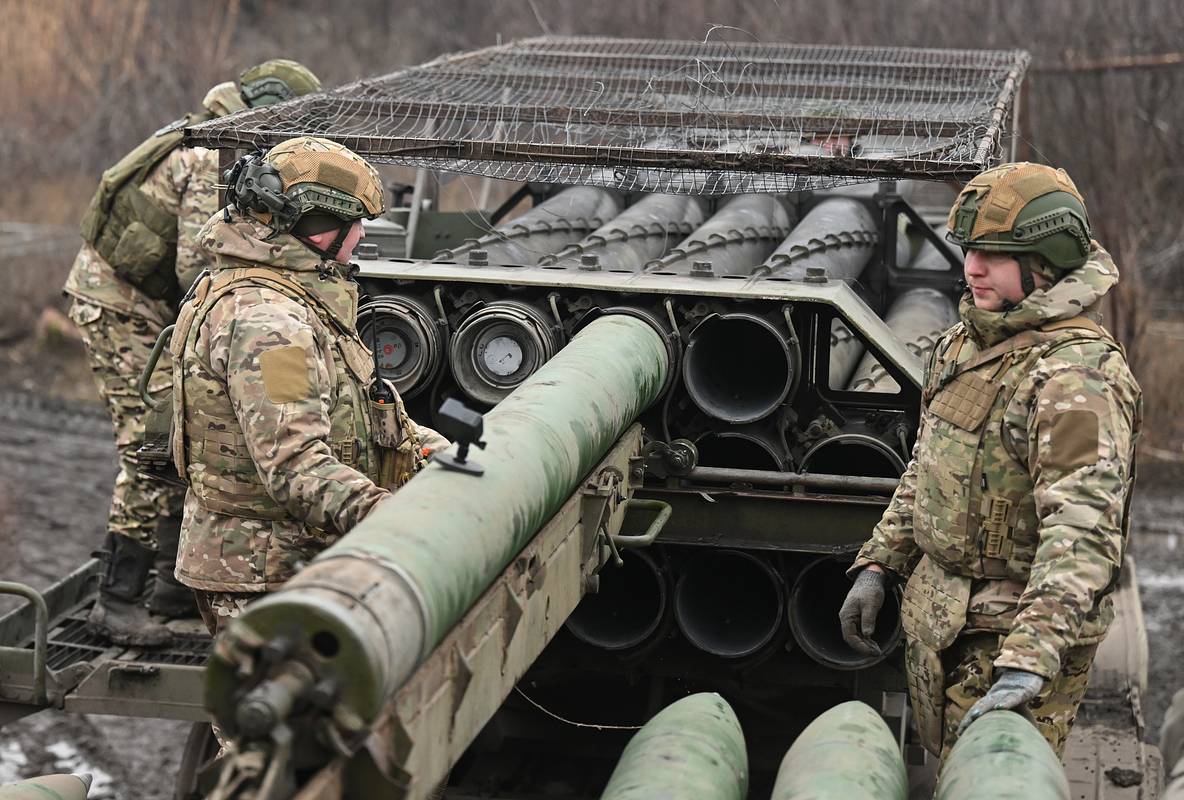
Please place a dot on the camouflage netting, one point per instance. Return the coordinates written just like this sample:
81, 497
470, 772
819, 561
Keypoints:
647, 115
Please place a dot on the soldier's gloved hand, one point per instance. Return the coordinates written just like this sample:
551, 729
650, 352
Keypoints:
857, 617
1012, 689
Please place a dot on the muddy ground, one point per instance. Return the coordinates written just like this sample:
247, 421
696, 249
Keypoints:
57, 464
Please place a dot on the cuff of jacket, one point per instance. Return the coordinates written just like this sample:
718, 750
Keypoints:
1025, 651
900, 564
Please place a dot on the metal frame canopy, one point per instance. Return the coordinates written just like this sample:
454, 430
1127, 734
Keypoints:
710, 117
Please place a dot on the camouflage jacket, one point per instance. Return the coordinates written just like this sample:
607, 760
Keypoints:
273, 427
1015, 500
183, 184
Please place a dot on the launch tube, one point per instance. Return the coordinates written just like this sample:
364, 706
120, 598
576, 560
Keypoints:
839, 235
737, 238
814, 605
563, 219
627, 609
644, 231
371, 607
918, 317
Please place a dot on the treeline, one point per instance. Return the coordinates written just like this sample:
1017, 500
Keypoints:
83, 82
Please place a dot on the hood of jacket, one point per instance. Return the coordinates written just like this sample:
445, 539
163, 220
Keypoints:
1079, 292
244, 241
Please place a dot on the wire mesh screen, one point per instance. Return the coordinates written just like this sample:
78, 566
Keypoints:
665, 116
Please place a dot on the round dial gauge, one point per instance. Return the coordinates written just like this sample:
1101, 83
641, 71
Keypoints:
392, 349
503, 356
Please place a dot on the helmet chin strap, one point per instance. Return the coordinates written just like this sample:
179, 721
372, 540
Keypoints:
1027, 282
334, 247
1027, 279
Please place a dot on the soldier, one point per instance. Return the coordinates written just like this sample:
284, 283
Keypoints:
140, 254
1009, 524
283, 434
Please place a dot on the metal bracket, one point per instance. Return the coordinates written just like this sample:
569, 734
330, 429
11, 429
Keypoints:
670, 459
40, 633
598, 501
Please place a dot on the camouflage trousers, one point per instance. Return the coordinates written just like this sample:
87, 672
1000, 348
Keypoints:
969, 673
118, 346
217, 609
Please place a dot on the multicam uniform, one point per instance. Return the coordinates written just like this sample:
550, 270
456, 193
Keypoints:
119, 324
273, 426
1010, 522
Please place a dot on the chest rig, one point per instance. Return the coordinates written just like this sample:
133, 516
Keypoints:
209, 444
975, 514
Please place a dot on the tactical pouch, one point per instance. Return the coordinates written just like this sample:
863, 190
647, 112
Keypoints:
932, 614
154, 459
142, 250
926, 680
385, 428
399, 447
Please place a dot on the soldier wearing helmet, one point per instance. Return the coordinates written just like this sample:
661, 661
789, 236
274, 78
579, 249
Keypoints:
139, 255
281, 430
1009, 525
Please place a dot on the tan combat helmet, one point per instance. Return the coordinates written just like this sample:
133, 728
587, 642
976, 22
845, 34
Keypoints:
1026, 210
307, 185
275, 81
223, 99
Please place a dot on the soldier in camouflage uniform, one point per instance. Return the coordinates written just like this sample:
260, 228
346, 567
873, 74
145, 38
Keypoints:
280, 429
1009, 524
140, 254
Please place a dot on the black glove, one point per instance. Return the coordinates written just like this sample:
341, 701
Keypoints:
858, 614
1013, 688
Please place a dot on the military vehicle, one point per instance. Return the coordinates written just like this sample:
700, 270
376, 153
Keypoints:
680, 355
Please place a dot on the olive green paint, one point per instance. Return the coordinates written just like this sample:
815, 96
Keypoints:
691, 750
847, 752
1002, 757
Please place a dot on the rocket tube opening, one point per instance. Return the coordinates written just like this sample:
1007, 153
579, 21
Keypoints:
729, 603
738, 367
499, 346
738, 451
410, 347
814, 605
627, 610
853, 454
325, 644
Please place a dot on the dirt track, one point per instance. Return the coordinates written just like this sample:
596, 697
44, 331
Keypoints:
56, 472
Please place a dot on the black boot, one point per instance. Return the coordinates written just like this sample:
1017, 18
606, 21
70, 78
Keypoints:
118, 614
170, 598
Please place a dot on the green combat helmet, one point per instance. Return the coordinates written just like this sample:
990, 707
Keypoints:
275, 81
1028, 210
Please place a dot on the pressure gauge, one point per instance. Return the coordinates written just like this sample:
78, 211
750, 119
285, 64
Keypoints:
498, 346
406, 341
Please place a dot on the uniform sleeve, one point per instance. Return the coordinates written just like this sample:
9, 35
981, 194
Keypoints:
1080, 448
891, 544
280, 381
183, 184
